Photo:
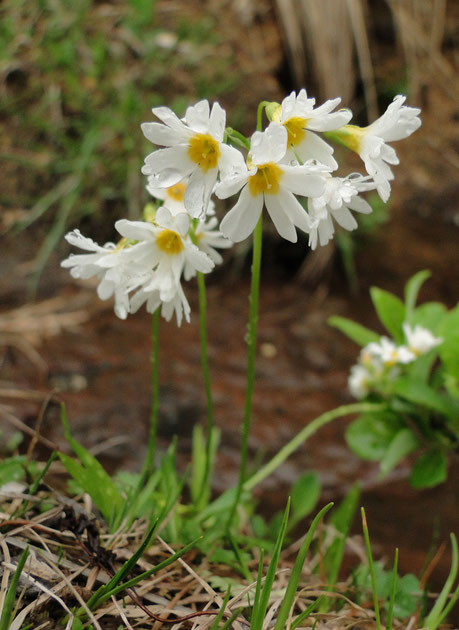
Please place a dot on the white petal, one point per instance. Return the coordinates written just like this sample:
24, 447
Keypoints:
136, 230
198, 259
329, 122
344, 218
300, 181
231, 184
77, 239
164, 217
269, 145
231, 161
169, 118
242, 219
162, 135
360, 205
167, 166
198, 191
197, 117
217, 122
294, 210
315, 148
282, 222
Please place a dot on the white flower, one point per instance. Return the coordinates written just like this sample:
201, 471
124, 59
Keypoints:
194, 149
359, 381
340, 196
420, 340
298, 116
272, 183
114, 278
397, 122
165, 250
388, 352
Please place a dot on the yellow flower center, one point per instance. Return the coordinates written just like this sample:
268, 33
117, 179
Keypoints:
350, 136
177, 192
204, 151
170, 242
296, 130
266, 180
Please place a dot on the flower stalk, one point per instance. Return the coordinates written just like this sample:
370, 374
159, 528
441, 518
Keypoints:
149, 463
207, 383
252, 342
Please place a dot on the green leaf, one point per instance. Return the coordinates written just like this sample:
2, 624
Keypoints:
92, 477
391, 312
403, 443
421, 394
449, 349
429, 470
12, 469
429, 315
358, 333
371, 434
411, 291
305, 494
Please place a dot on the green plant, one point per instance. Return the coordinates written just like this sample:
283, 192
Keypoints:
415, 375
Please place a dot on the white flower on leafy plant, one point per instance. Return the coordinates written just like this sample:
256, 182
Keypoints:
420, 340
388, 352
301, 120
271, 183
340, 196
397, 122
194, 149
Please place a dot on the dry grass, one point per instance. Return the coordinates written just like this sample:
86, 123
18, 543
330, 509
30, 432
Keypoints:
71, 555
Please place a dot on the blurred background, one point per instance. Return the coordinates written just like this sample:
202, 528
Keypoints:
76, 80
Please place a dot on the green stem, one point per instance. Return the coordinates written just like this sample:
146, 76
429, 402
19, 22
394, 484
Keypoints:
149, 463
304, 434
260, 109
206, 378
252, 340
371, 565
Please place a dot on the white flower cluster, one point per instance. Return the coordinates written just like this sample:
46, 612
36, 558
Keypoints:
147, 264
286, 161
381, 362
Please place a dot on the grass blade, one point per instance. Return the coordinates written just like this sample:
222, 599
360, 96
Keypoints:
372, 569
289, 596
259, 611
435, 616
221, 612
305, 614
393, 590
8, 606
